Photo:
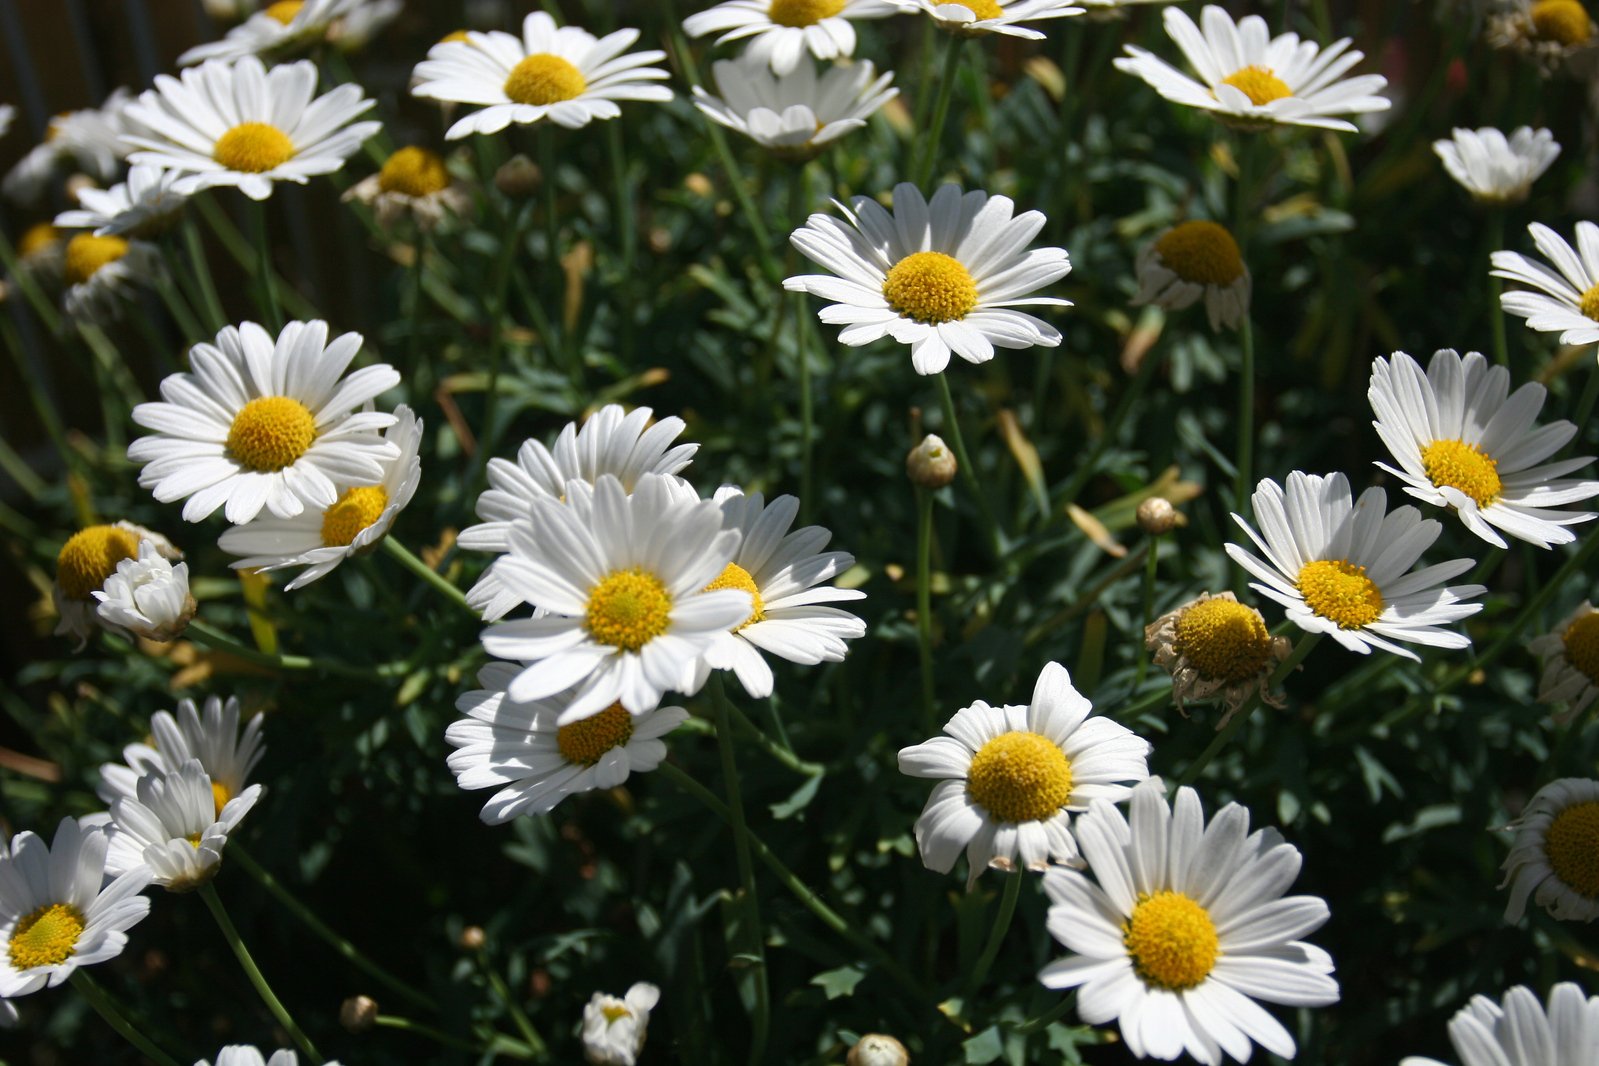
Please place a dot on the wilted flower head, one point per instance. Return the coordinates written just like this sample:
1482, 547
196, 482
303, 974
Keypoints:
614, 1029
1214, 644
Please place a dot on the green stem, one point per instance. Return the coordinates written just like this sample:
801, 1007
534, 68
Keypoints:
1246, 413
181, 313
952, 424
1242, 715
266, 273
519, 1017
1048, 1018
996, 936
1590, 393
499, 1044
924, 601
1150, 565
195, 246
208, 892
1496, 286
760, 1022
202, 633
107, 1008
427, 573
41, 304
499, 286
772, 747
928, 159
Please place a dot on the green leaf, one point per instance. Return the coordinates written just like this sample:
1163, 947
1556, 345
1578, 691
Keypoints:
840, 982
986, 1046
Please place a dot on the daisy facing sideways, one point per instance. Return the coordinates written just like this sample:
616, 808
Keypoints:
976, 18
144, 205
1569, 302
1551, 857
781, 31
225, 754
101, 274
1494, 169
1193, 259
794, 115
1570, 654
275, 30
1520, 1032
172, 826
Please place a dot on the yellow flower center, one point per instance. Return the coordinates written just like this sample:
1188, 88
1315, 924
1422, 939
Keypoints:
1259, 84
983, 9
543, 78
90, 556
354, 511
1581, 639
37, 238
614, 1014
1201, 252
253, 148
87, 253
1020, 777
1462, 466
1562, 21
284, 10
930, 287
270, 433
803, 12
628, 609
1172, 941
1340, 592
1224, 640
220, 795
583, 742
415, 172
1572, 844
734, 576
1588, 303
453, 35
46, 937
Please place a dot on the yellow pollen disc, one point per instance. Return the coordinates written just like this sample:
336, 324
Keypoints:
614, 1014
1340, 592
803, 12
45, 937
194, 841
37, 238
415, 172
1581, 639
983, 9
1224, 640
1172, 941
628, 609
253, 148
1201, 252
1462, 466
270, 433
284, 10
734, 576
1259, 84
90, 556
1588, 303
1019, 777
87, 253
930, 287
354, 511
583, 742
543, 78
1572, 843
1562, 21
220, 795
453, 35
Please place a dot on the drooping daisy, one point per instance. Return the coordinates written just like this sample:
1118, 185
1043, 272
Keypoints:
974, 18
624, 444
173, 827
1010, 778
147, 597
87, 562
798, 114
226, 754
1522, 1033
89, 140
355, 30
240, 124
1342, 567
1216, 645
1554, 858
1571, 306
1551, 33
944, 276
245, 1055
415, 183
519, 748
614, 1029
780, 31
319, 539
54, 915
561, 73
101, 273
144, 205
623, 581
1570, 654
41, 255
1183, 927
1252, 81
1494, 169
1190, 260
275, 31
267, 424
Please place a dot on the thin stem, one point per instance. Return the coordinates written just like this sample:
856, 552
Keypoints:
1246, 413
1048, 1018
519, 1018
499, 1044
773, 748
996, 936
928, 159
181, 313
952, 424
107, 1008
203, 633
427, 573
208, 892
267, 275
760, 1022
924, 600
1496, 286
1242, 715
23, 280
192, 243
1150, 565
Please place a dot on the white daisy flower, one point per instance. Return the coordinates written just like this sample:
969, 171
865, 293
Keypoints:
1571, 306
519, 748
1464, 442
88, 140
1184, 927
172, 826
142, 206
798, 114
276, 30
622, 580
85, 566
414, 183
245, 1055
147, 597
240, 124
973, 18
1551, 33
780, 31
226, 755
102, 272
1342, 567
1570, 654
263, 424
1010, 778
1190, 260
1494, 169
611, 441
54, 914
1251, 81
614, 1029
1522, 1033
942, 277
1551, 859
320, 539
355, 30
560, 73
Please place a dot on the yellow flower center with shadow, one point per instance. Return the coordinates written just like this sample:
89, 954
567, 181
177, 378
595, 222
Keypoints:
1561, 21
583, 742
415, 172
734, 576
90, 556
1462, 466
628, 609
1224, 640
46, 936
930, 287
37, 238
1588, 303
220, 794
253, 148
86, 254
1019, 777
354, 511
803, 12
1172, 941
1340, 592
1201, 252
1581, 640
1572, 844
544, 79
270, 433
1259, 84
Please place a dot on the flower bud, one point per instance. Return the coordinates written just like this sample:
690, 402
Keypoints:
1156, 515
471, 939
518, 177
358, 1013
930, 465
875, 1049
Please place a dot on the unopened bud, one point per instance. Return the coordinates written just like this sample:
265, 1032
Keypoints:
875, 1049
472, 938
358, 1013
930, 465
518, 177
1156, 515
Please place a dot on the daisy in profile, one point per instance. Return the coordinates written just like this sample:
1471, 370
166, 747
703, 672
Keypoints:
1183, 927
1342, 567
144, 205
1569, 302
240, 124
1570, 654
86, 564
245, 1055
1551, 33
1215, 645
1011, 778
1497, 170
102, 272
1522, 1033
172, 826
263, 424
321, 539
976, 18
535, 763
54, 913
1190, 260
781, 31
224, 753
41, 255
147, 597
414, 183
795, 115
1551, 859
276, 30
558, 73
1254, 81
614, 1029
89, 141
941, 276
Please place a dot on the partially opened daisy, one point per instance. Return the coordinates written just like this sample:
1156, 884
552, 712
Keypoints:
941, 276
1570, 654
85, 565
172, 826
147, 597
563, 74
1011, 778
1193, 259
1343, 567
1251, 80
245, 1055
241, 124
89, 141
519, 748
974, 18
1551, 859
267, 424
1569, 302
276, 30
614, 1029
144, 205
1495, 169
224, 753
1520, 1032
102, 273
1183, 927
781, 31
1215, 646
413, 182
795, 115
1464, 442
